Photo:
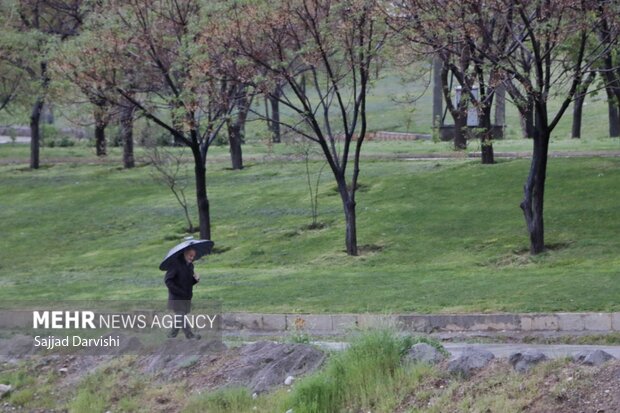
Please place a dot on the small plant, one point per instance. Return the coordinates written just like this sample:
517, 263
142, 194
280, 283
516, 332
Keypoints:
169, 169
22, 397
13, 135
223, 401
305, 150
298, 335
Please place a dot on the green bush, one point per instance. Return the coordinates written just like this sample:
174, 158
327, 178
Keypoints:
22, 397
49, 133
87, 401
65, 142
358, 378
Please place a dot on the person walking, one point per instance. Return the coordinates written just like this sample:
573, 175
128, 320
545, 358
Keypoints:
180, 280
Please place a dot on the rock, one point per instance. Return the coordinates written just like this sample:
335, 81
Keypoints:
63, 370
264, 365
523, 362
289, 411
424, 353
254, 396
174, 355
127, 345
289, 380
17, 347
5, 389
470, 360
593, 358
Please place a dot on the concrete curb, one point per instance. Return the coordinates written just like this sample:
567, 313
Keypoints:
333, 324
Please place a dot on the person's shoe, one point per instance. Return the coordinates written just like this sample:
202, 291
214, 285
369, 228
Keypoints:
172, 334
192, 336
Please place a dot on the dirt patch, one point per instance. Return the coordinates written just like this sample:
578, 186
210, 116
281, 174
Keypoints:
581, 389
552, 387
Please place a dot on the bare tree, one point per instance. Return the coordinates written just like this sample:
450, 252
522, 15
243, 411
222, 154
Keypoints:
170, 171
334, 46
165, 61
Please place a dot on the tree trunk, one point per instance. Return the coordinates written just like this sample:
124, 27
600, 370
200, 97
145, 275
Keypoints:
274, 122
234, 140
486, 137
527, 120
202, 201
578, 105
35, 132
460, 129
437, 93
500, 105
100, 125
577, 115
534, 191
236, 131
614, 115
242, 117
350, 217
126, 124
35, 118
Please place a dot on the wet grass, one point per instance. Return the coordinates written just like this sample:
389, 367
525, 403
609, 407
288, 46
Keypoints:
440, 236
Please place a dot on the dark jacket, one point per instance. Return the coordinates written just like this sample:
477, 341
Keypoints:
180, 280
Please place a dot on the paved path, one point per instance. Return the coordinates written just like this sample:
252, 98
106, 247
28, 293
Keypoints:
552, 351
18, 139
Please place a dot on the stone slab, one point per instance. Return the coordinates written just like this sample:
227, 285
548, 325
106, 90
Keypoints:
571, 321
615, 321
544, 322
417, 323
464, 322
310, 322
254, 322
344, 322
597, 321
366, 321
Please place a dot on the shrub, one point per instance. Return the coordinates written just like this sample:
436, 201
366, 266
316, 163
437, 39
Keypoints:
358, 378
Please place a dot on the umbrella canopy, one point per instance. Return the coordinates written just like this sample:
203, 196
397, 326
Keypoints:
201, 246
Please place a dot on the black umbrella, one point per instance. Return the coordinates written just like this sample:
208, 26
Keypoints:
201, 246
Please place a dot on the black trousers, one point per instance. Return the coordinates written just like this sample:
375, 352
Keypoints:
180, 308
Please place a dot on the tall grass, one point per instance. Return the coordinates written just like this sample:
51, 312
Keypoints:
227, 400
359, 378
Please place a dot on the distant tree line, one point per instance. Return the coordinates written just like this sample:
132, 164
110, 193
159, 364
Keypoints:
197, 69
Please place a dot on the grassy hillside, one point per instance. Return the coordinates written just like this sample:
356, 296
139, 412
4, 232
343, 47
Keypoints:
437, 236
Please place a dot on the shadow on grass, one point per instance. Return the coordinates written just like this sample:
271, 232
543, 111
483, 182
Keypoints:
522, 257
315, 226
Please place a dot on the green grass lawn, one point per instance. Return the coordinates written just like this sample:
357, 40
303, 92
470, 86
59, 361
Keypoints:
439, 236
257, 150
